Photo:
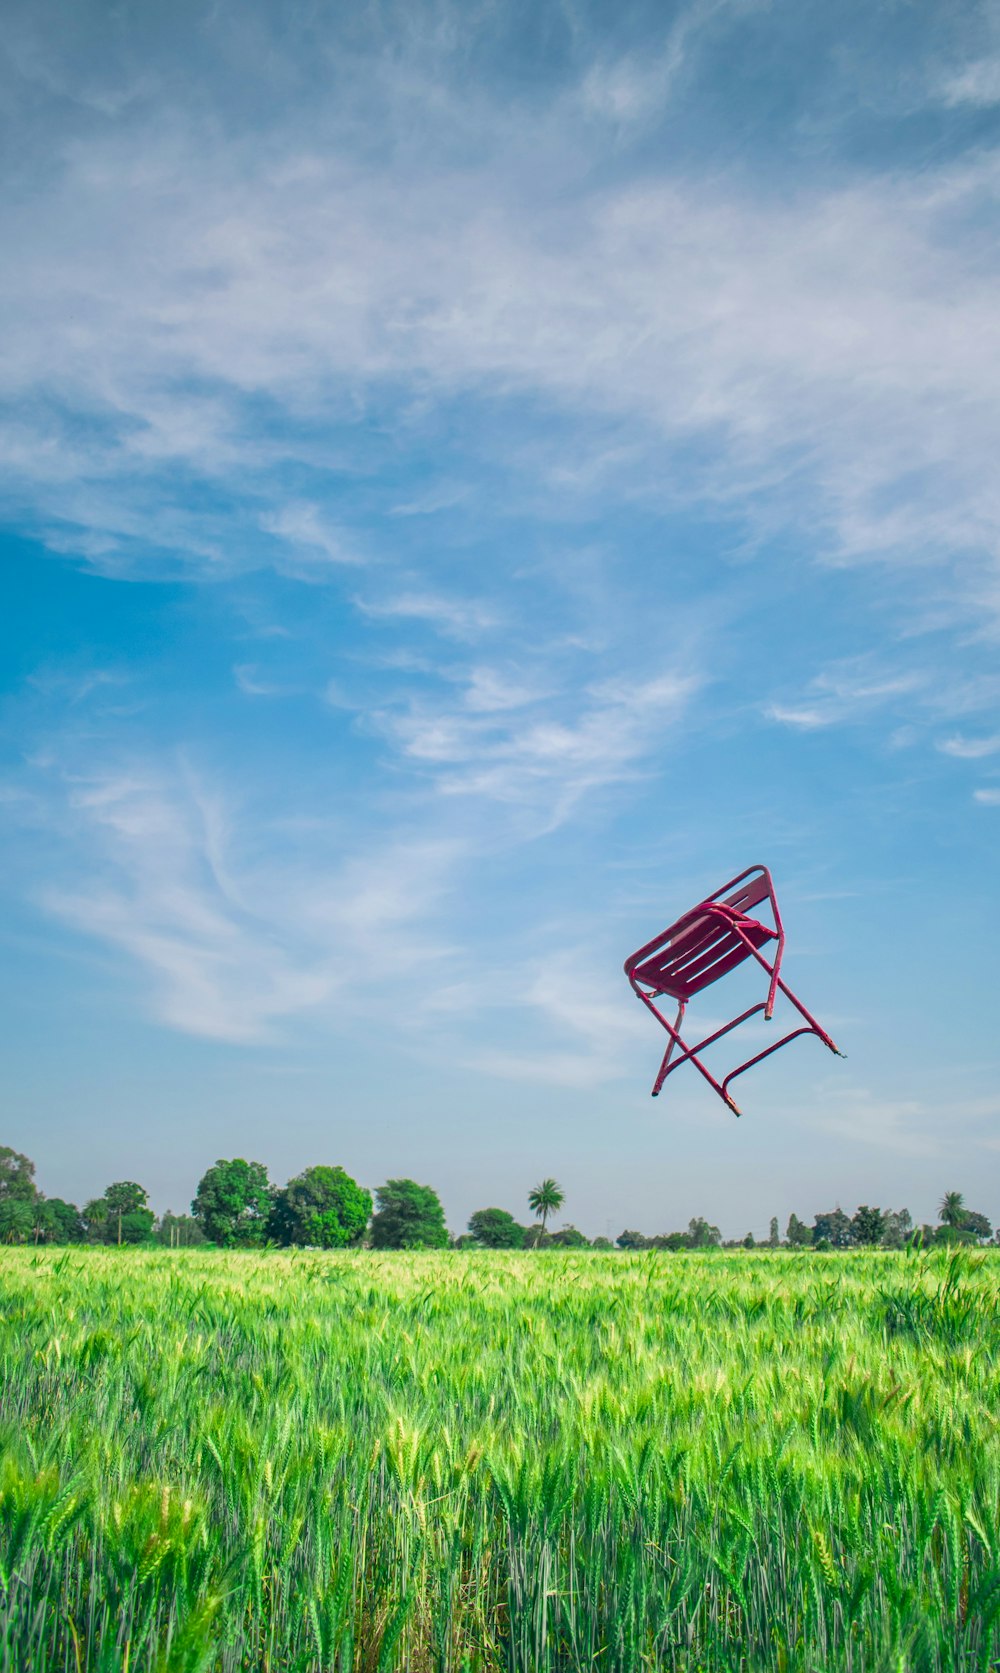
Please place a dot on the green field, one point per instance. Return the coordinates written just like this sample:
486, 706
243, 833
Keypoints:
484, 1461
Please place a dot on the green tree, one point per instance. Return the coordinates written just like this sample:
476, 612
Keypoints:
978, 1225
798, 1235
897, 1229
126, 1197
632, 1240
179, 1231
137, 1226
95, 1219
233, 1202
546, 1198
603, 1245
57, 1221
494, 1228
868, 1226
323, 1207
702, 1235
17, 1176
568, 1237
673, 1241
774, 1238
408, 1216
833, 1228
749, 1242
17, 1220
952, 1208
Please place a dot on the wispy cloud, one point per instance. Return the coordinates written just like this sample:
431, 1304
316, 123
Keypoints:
525, 752
846, 692
976, 83
234, 942
830, 349
308, 535
987, 797
970, 749
584, 1032
459, 618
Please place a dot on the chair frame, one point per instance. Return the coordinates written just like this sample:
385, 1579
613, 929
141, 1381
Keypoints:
728, 910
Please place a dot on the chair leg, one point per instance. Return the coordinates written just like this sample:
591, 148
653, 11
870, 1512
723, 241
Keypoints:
675, 1039
816, 1027
689, 1053
776, 983
794, 1035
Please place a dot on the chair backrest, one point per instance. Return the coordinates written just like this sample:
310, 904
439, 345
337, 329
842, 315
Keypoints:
697, 939
749, 894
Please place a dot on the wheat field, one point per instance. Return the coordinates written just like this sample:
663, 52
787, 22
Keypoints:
488, 1462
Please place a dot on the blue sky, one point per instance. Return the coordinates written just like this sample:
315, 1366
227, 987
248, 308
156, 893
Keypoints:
473, 479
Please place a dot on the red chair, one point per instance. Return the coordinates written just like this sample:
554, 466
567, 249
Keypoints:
712, 939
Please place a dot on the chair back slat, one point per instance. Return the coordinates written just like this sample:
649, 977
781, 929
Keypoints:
749, 894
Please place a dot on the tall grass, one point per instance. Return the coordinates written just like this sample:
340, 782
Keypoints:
466, 1463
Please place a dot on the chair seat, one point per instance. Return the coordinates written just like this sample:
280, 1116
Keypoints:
699, 948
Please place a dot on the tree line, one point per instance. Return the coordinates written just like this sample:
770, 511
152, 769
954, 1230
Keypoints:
237, 1206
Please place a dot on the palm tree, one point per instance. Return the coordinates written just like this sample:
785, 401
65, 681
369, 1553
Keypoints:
546, 1198
952, 1210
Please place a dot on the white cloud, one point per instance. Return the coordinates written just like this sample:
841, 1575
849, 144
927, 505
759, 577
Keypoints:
249, 681
970, 749
805, 718
489, 690
590, 1029
527, 754
309, 535
846, 691
977, 83
232, 945
460, 618
835, 350
987, 797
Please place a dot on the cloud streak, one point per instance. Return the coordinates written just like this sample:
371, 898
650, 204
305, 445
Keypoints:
835, 348
232, 945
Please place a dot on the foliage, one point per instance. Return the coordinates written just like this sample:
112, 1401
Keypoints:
897, 1230
797, 1236
179, 1231
702, 1235
868, 1226
136, 1226
233, 1202
498, 1464
494, 1228
833, 1228
17, 1175
409, 1216
632, 1240
961, 1224
95, 1219
952, 1211
568, 1237
978, 1225
17, 1220
545, 1199
123, 1201
323, 1207
58, 1222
